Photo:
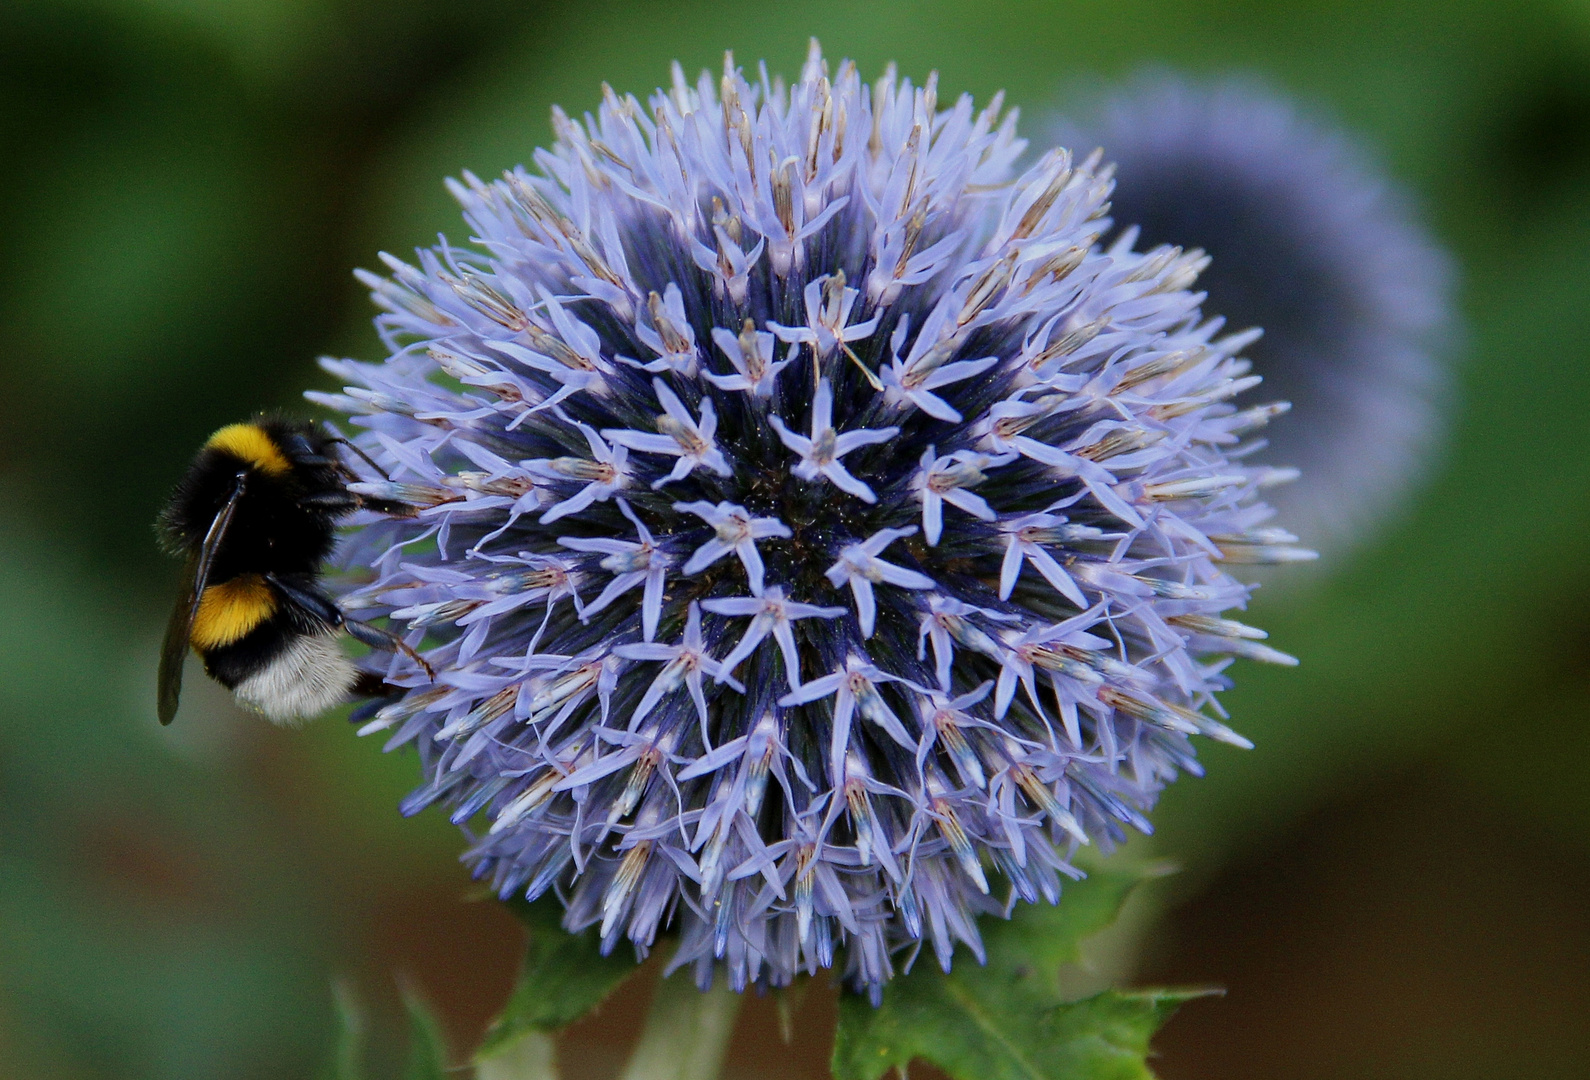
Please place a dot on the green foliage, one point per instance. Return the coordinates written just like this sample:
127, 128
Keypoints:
1007, 1020
427, 1056
347, 1052
564, 976
427, 1046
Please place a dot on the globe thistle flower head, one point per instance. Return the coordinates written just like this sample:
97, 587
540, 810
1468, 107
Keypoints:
1310, 241
817, 536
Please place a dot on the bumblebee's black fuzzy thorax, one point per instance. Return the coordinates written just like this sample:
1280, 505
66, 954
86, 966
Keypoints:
285, 521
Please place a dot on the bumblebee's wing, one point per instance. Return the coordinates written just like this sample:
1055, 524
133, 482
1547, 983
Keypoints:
180, 628
175, 648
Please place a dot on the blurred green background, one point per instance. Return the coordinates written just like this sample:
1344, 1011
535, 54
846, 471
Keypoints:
1395, 884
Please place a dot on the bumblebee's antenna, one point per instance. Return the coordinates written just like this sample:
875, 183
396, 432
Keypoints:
368, 460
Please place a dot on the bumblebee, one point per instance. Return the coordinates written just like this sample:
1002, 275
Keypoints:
255, 516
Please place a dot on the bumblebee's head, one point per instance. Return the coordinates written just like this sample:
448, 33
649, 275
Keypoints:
293, 471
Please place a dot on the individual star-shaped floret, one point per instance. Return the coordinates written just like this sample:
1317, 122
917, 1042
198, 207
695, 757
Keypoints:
685, 662
820, 454
669, 335
752, 356
682, 437
911, 382
945, 480
631, 563
828, 304
860, 566
569, 682
608, 474
1028, 539
738, 532
946, 623
855, 687
943, 722
770, 614
1062, 648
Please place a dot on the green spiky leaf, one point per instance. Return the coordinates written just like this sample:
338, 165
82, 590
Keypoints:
563, 977
1008, 1019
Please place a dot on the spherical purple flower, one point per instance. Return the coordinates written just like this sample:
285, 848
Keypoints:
1312, 242
818, 537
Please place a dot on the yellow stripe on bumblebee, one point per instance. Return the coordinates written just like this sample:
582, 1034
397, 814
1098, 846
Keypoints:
229, 611
250, 443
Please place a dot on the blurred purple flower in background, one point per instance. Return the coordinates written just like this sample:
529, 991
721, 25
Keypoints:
1313, 243
818, 535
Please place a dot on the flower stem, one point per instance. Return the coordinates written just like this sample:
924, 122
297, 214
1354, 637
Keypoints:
686, 1033
529, 1058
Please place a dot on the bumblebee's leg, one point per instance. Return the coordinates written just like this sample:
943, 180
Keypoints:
309, 599
377, 638
389, 507
332, 502
301, 452
371, 685
343, 502
322, 607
